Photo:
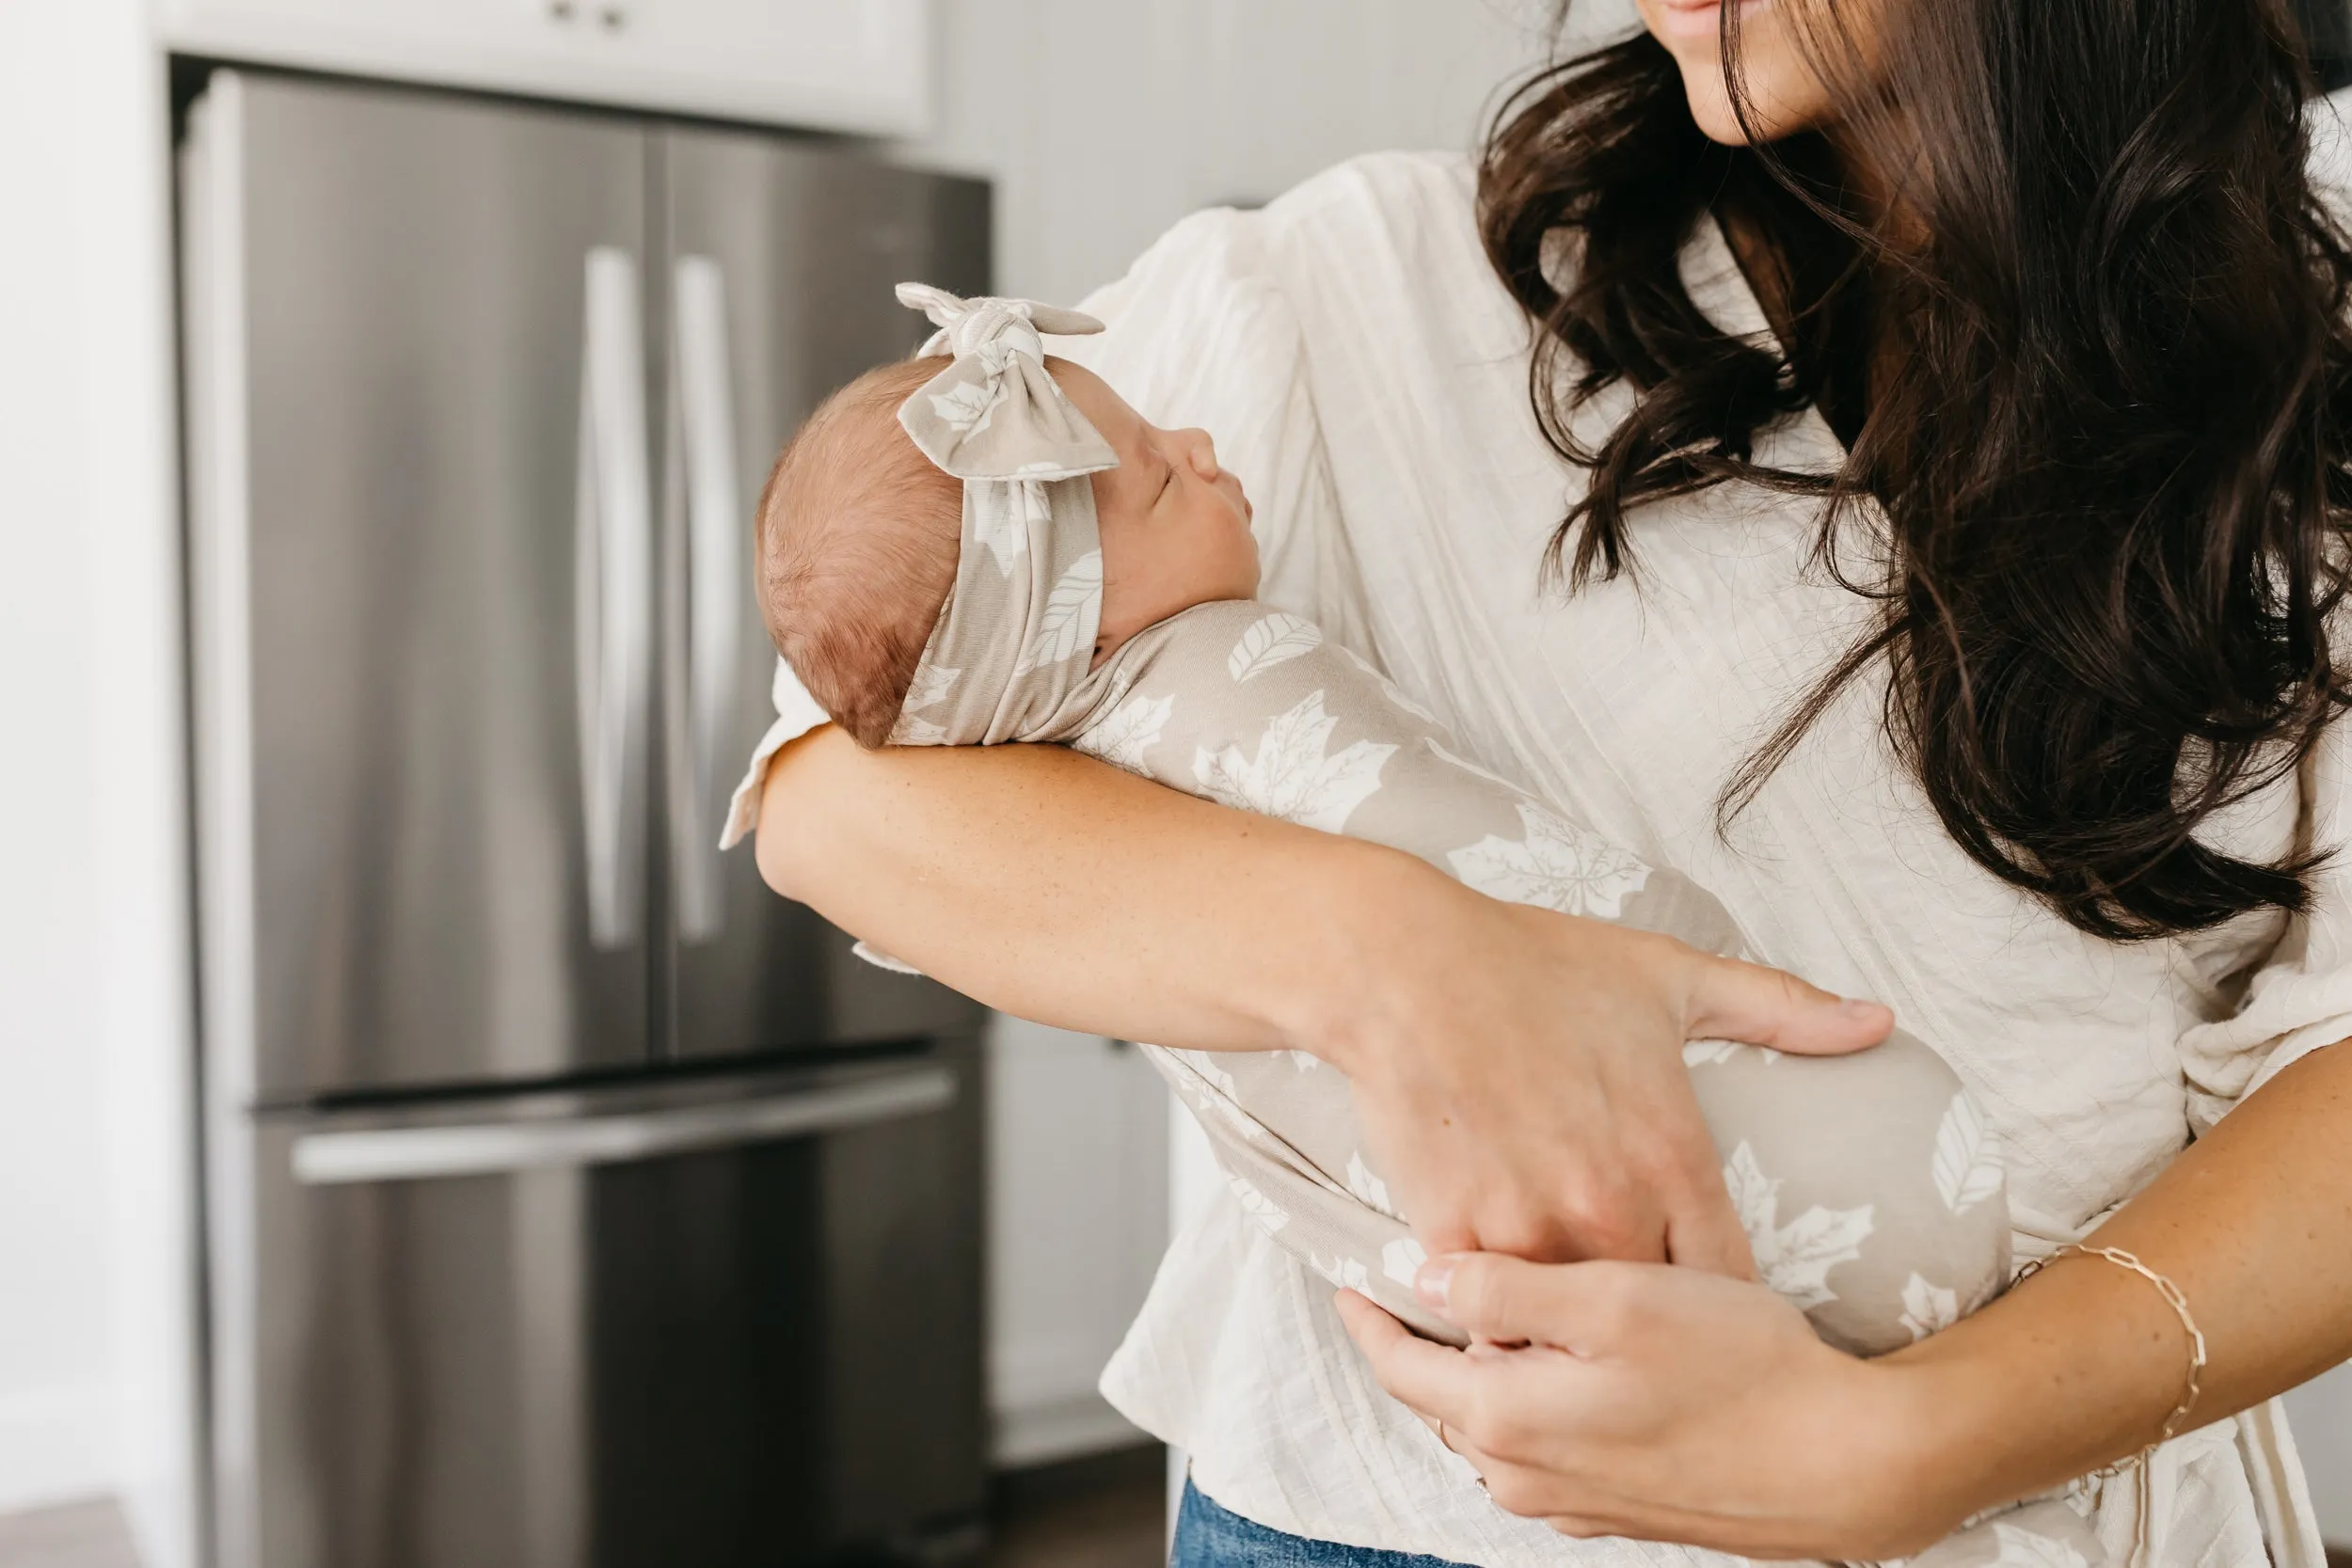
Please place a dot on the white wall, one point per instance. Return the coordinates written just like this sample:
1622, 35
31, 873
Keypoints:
1103, 123
94, 1265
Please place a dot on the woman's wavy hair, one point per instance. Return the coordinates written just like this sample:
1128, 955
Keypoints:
2094, 375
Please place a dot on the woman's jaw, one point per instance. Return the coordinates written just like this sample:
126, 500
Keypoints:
1784, 93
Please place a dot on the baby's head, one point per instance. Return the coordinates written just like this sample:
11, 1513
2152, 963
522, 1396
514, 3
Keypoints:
860, 533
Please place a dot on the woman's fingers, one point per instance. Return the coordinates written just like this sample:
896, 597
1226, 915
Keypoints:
1438, 1382
1585, 1309
1735, 1000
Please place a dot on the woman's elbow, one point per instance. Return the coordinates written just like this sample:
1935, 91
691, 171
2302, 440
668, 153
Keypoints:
788, 802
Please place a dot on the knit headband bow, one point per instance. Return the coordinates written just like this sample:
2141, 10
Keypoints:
1014, 642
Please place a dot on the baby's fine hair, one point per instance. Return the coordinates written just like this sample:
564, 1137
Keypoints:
858, 539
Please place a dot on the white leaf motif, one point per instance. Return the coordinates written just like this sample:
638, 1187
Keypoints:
1401, 1261
1206, 1065
1927, 1308
1275, 640
1062, 630
1304, 1061
1349, 1272
1000, 520
1290, 777
1367, 1187
965, 407
931, 684
2023, 1548
1967, 1165
1557, 866
1127, 731
1256, 1204
1794, 1258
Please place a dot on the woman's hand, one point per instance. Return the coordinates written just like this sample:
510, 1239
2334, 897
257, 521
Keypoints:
1664, 1404
1520, 1075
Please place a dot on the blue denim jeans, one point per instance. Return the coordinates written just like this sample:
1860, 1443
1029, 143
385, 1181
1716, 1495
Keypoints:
1208, 1536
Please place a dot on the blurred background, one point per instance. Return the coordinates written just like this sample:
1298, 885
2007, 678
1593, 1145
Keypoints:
382, 386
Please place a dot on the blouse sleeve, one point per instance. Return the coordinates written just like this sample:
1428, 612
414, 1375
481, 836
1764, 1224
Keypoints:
2300, 1000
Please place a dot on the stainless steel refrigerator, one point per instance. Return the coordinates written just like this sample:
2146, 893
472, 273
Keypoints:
570, 1198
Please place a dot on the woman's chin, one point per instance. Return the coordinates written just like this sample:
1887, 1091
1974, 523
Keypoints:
1710, 108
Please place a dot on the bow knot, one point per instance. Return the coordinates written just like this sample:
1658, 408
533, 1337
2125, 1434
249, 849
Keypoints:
996, 412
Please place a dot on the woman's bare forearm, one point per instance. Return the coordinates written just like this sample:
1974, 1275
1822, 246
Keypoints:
1053, 886
2253, 1222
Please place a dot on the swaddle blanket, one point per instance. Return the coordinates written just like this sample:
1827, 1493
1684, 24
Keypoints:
1870, 1187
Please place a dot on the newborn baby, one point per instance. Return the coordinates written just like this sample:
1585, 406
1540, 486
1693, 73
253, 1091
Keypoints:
995, 547
982, 545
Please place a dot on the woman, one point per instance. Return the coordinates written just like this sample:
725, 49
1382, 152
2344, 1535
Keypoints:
1947, 406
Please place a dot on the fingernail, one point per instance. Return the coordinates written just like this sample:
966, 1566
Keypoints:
1434, 1280
1854, 1006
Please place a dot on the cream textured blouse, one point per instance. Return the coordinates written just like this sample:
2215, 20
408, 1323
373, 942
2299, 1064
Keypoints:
1365, 374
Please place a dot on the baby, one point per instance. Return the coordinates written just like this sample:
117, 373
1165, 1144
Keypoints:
983, 545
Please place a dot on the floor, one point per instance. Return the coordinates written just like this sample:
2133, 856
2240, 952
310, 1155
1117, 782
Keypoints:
1099, 1512
1104, 1511
1108, 1511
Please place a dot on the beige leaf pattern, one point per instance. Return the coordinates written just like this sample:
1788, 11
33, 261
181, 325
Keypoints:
1401, 1261
1129, 730
1927, 1308
1292, 776
1275, 640
1256, 1204
1967, 1157
1794, 1258
1062, 628
1557, 865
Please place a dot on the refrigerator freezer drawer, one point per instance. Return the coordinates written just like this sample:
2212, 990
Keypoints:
750, 1338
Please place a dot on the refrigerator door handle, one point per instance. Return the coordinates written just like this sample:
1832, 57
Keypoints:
613, 570
716, 553
492, 1148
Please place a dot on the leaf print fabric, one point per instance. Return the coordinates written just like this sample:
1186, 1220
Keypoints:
1134, 727
1366, 1186
965, 408
1256, 1204
1929, 1309
1553, 863
1290, 775
1401, 1261
1794, 1258
1967, 1157
1273, 641
1068, 624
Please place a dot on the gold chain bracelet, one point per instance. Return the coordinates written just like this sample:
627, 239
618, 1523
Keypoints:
2175, 1298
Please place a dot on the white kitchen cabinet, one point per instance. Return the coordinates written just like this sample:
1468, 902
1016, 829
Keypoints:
859, 66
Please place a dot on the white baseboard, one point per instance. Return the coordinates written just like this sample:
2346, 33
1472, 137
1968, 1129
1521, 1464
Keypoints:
57, 1445
1041, 1434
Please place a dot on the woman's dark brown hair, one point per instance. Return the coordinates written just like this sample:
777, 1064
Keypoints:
2094, 377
